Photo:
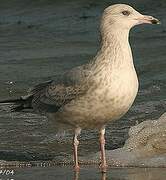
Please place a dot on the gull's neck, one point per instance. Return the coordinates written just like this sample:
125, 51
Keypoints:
115, 49
114, 35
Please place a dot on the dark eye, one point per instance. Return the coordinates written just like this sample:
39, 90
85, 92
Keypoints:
126, 13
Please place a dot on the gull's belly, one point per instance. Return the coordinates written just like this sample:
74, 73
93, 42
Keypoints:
109, 106
97, 107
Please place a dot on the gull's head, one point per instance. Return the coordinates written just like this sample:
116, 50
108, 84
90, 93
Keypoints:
125, 17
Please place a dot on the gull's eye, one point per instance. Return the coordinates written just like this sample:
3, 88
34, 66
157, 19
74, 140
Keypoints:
126, 13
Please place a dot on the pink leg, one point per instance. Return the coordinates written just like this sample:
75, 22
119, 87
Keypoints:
103, 164
75, 144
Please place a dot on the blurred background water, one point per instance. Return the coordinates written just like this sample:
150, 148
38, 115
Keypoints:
43, 38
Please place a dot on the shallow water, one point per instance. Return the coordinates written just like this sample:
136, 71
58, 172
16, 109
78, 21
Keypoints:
66, 173
41, 39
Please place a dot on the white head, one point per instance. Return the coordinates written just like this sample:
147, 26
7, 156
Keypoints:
124, 17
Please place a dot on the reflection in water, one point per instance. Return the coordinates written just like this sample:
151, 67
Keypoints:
121, 174
103, 177
89, 173
77, 175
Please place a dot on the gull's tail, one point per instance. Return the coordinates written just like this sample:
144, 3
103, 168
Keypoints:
25, 102
15, 105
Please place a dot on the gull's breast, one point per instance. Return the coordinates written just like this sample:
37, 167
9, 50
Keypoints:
120, 95
113, 100
106, 102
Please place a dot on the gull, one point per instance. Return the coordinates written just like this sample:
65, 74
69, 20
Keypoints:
96, 93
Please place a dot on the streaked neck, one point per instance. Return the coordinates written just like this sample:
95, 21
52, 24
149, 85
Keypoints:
115, 48
114, 35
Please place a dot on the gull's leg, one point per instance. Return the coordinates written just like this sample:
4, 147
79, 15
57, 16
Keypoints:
75, 144
103, 164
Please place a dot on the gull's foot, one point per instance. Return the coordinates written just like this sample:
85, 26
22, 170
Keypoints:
103, 168
76, 168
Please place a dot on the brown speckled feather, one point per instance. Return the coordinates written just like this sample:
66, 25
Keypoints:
50, 96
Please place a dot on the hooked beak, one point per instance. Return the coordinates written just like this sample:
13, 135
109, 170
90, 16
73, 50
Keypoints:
144, 19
